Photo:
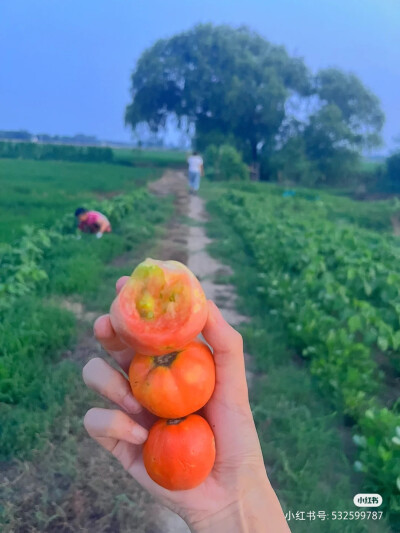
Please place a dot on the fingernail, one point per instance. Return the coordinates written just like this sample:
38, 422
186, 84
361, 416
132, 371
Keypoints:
132, 405
139, 434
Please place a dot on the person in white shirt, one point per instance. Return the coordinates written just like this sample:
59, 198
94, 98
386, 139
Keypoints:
196, 170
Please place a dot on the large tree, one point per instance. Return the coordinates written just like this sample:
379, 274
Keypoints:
228, 83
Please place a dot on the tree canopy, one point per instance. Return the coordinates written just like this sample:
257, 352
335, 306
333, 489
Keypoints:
228, 82
231, 85
359, 107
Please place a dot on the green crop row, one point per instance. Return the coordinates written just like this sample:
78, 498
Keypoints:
44, 152
310, 273
20, 265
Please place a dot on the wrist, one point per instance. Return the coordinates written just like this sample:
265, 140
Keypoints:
258, 511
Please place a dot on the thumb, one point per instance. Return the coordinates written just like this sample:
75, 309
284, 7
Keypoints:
227, 346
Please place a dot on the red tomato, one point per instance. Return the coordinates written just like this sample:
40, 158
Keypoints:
176, 384
179, 454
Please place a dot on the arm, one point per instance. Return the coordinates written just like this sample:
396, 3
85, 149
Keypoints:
103, 224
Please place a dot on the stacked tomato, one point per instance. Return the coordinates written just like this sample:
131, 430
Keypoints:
160, 312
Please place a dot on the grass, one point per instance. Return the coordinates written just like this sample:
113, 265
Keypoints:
33, 381
38, 192
306, 446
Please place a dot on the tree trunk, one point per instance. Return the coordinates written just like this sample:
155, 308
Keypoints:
255, 171
255, 165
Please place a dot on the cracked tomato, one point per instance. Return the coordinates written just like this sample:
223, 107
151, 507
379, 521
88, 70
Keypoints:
160, 309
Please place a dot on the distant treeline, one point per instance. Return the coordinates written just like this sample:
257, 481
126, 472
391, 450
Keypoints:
23, 135
41, 152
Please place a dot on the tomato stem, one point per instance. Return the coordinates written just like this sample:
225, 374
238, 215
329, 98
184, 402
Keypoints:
175, 421
165, 360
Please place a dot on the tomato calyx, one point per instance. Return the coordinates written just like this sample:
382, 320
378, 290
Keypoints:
165, 360
175, 421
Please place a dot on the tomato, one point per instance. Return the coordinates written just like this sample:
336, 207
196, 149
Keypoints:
160, 309
176, 384
179, 454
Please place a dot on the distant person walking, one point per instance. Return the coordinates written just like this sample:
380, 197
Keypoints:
196, 170
92, 222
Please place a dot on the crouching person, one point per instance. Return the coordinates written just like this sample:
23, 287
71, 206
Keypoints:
92, 222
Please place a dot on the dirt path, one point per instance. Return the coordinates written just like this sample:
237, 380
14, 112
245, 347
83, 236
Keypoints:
186, 241
208, 269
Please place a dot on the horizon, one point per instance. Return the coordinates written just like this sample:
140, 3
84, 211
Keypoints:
78, 58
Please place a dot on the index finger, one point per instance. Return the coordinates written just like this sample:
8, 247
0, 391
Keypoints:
107, 336
120, 283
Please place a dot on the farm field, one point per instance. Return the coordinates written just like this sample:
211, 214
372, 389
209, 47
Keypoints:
315, 273
63, 283
37, 193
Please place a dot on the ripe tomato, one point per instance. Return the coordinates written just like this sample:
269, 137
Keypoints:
179, 454
160, 309
176, 384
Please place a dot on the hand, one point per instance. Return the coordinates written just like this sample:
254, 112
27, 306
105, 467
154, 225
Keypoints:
99, 234
237, 495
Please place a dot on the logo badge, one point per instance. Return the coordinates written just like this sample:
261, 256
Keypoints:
367, 500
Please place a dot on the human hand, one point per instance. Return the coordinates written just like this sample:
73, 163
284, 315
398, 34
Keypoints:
99, 234
237, 495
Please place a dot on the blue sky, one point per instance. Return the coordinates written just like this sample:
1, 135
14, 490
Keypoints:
65, 64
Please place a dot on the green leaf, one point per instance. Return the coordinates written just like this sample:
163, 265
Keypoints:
360, 440
396, 340
358, 466
383, 343
367, 288
354, 323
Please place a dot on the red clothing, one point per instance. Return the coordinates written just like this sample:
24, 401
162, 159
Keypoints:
93, 222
